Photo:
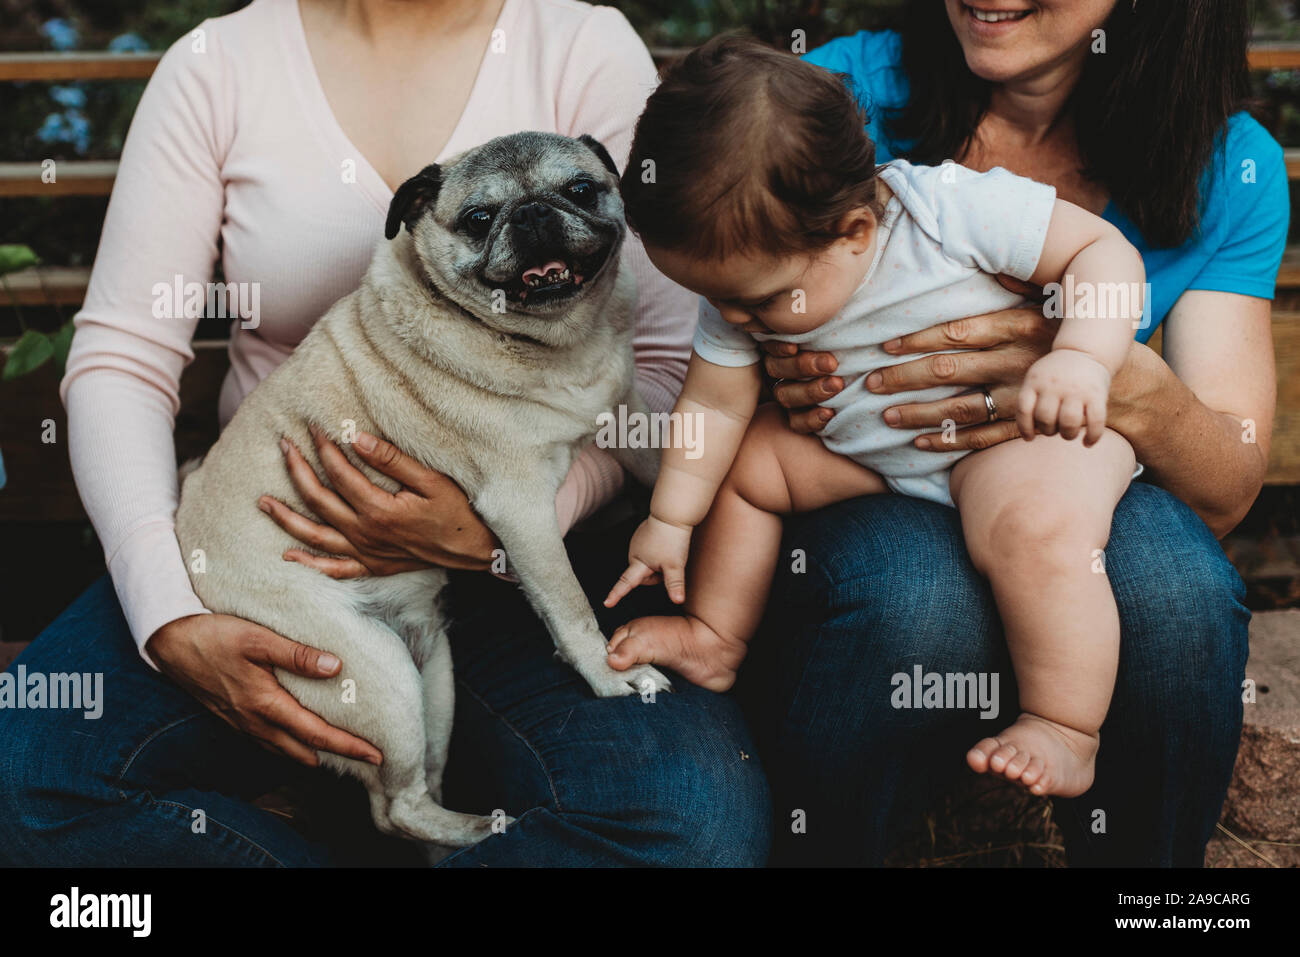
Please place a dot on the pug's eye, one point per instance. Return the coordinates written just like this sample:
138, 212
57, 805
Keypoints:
476, 221
583, 190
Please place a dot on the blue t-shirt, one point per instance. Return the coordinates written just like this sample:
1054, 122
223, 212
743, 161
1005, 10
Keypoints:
1246, 204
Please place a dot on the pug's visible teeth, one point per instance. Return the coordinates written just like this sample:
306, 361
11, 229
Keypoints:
550, 279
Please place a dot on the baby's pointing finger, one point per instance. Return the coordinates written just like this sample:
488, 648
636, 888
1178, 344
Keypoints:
634, 576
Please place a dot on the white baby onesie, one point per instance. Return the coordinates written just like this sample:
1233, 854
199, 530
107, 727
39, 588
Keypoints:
944, 235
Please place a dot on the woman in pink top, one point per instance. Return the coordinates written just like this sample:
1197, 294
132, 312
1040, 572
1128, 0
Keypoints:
273, 138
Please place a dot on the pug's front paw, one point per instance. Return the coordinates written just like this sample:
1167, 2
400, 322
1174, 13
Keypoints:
643, 680
646, 680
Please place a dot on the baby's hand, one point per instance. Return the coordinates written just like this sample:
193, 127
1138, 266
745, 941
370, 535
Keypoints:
657, 553
1065, 391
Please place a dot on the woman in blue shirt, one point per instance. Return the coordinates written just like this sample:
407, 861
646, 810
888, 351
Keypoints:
1131, 110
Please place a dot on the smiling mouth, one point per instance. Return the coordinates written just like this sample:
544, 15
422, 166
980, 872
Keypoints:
554, 279
996, 16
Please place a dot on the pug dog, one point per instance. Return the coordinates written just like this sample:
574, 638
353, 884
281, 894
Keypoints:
485, 341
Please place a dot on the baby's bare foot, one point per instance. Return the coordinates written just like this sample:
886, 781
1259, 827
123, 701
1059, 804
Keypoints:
1040, 755
685, 644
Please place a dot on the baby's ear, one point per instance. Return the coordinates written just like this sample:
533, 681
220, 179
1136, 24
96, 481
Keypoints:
411, 199
858, 226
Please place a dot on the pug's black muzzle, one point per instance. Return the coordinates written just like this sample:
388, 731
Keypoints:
553, 272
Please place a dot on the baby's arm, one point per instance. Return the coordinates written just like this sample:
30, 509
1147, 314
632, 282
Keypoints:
1067, 389
724, 399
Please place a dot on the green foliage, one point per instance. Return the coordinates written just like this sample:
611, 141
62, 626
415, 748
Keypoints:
15, 257
33, 348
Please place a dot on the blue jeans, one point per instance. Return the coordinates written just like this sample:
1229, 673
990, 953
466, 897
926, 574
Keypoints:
592, 782
888, 586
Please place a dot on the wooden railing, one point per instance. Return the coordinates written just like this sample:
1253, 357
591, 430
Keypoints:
56, 498
77, 66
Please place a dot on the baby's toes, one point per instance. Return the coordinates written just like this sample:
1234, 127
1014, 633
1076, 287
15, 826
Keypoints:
978, 756
1016, 765
632, 648
1002, 757
1033, 773
1044, 783
616, 639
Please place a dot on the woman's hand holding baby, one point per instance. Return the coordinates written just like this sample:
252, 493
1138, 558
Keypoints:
1065, 391
802, 380
1003, 345
657, 552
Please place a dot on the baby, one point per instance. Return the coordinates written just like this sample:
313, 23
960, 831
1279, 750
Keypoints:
752, 182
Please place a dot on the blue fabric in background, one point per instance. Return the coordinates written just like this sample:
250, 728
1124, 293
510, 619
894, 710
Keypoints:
1246, 202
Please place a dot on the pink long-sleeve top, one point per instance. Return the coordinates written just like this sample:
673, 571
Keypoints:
234, 152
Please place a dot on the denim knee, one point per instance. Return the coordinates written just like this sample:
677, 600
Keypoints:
1181, 602
32, 806
889, 571
699, 810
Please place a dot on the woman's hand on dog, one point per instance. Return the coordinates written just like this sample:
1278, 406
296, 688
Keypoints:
372, 531
226, 663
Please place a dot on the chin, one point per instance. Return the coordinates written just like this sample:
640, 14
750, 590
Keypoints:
992, 65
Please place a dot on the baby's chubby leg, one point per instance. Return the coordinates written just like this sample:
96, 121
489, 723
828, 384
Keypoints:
735, 549
1036, 516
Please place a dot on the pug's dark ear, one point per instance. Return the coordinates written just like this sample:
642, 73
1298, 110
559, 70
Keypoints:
411, 198
595, 146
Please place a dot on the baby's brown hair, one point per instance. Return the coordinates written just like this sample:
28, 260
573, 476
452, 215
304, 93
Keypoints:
746, 149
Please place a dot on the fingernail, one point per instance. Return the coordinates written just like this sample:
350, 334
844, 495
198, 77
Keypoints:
377, 760
922, 443
874, 381
327, 663
892, 344
824, 364
364, 441
264, 505
892, 417
825, 415
284, 446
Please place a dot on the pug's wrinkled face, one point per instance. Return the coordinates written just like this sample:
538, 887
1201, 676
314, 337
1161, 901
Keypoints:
518, 231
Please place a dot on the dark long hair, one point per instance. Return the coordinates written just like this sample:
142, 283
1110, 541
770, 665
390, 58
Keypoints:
1148, 112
